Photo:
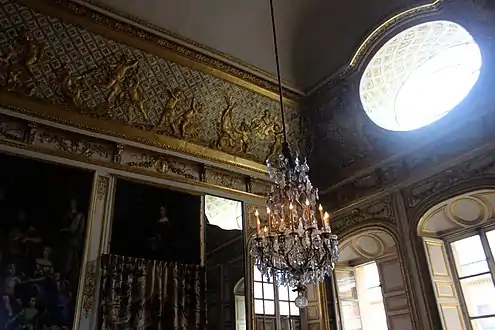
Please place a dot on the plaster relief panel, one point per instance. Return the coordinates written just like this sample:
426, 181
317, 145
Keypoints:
159, 163
53, 62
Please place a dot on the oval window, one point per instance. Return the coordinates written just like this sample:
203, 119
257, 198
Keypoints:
420, 75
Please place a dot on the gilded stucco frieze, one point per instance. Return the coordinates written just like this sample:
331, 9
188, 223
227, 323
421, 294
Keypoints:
70, 145
137, 95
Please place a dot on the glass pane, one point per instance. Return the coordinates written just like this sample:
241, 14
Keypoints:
257, 274
258, 306
258, 290
268, 290
374, 295
484, 324
284, 308
371, 275
491, 240
294, 310
478, 293
269, 308
469, 256
267, 279
346, 285
351, 319
283, 293
292, 294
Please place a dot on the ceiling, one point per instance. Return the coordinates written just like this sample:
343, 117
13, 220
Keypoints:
316, 37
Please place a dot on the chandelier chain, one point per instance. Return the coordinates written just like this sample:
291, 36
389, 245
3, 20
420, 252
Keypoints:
277, 61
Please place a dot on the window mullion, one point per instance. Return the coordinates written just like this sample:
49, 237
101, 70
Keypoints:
457, 283
276, 302
488, 254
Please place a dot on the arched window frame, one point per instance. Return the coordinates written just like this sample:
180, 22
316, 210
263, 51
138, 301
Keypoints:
458, 278
441, 226
391, 274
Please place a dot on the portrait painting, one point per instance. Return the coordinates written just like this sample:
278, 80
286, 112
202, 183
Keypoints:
156, 223
42, 233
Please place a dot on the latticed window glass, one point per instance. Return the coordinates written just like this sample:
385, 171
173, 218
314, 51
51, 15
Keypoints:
274, 305
420, 75
475, 271
360, 298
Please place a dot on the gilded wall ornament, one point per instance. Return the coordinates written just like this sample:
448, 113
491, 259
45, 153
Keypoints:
89, 292
30, 133
74, 145
119, 85
163, 165
101, 186
378, 210
117, 155
17, 64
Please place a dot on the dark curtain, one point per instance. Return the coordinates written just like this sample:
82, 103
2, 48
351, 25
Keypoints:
146, 294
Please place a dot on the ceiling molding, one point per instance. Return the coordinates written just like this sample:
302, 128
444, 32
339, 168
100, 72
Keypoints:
209, 51
368, 44
164, 47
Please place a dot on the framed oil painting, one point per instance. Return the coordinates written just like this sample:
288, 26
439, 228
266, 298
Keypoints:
156, 223
42, 233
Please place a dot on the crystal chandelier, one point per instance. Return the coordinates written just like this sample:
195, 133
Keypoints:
295, 245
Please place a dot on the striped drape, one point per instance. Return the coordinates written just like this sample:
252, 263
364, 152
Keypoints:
145, 294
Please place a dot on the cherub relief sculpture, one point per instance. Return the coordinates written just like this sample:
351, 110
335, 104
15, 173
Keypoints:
136, 100
228, 134
71, 86
124, 99
187, 125
168, 120
22, 56
261, 125
276, 145
114, 81
31, 53
244, 132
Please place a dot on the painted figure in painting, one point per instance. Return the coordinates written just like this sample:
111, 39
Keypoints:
75, 231
160, 240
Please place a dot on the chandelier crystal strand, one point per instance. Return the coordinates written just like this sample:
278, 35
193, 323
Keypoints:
294, 246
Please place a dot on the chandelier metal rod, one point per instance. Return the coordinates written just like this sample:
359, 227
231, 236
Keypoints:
280, 92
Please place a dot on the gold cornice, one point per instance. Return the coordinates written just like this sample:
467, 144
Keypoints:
79, 158
132, 36
369, 42
187, 41
110, 128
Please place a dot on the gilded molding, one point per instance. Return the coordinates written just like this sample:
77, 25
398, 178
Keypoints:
165, 165
101, 187
429, 155
477, 167
71, 144
224, 179
126, 94
47, 111
170, 168
123, 32
380, 209
89, 292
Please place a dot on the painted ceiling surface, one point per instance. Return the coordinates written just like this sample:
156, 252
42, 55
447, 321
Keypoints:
316, 37
52, 61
